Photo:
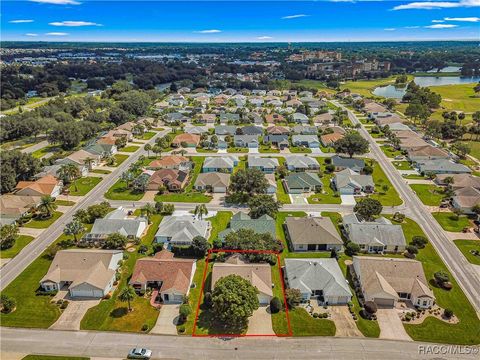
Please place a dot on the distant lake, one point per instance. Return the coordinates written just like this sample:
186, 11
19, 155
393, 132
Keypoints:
446, 69
391, 91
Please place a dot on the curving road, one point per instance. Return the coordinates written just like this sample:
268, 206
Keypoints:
29, 253
117, 345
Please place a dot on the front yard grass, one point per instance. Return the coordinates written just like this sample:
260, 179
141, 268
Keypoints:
430, 195
188, 197
100, 171
20, 242
328, 195
82, 186
38, 223
390, 196
119, 191
299, 149
432, 329
402, 165
466, 246
119, 158
64, 202
148, 135
130, 148
282, 196
219, 223
450, 222
267, 149
237, 150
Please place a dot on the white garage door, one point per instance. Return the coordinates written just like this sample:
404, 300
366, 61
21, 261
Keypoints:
219, 189
93, 293
264, 299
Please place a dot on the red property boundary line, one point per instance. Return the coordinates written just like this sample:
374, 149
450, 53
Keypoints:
203, 288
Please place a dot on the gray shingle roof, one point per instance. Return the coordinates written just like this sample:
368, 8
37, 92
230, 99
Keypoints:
182, 228
380, 231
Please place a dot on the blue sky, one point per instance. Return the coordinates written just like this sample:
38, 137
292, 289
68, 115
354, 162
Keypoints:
239, 21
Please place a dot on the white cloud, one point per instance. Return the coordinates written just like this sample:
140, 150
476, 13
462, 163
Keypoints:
74, 23
20, 21
466, 19
264, 38
294, 16
430, 5
57, 2
56, 34
389, 29
210, 31
31, 34
438, 21
441, 26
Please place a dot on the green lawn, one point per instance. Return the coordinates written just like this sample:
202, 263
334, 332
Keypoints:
189, 197
466, 246
267, 149
328, 195
194, 296
389, 197
237, 150
414, 176
402, 165
299, 149
45, 150
32, 311
219, 223
64, 202
449, 222
20, 243
242, 164
82, 186
130, 148
100, 171
119, 158
282, 196
302, 324
38, 223
430, 195
148, 135
197, 168
474, 148
51, 357
432, 329
365, 87
119, 191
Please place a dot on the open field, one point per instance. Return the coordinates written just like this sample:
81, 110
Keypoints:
466, 246
449, 222
430, 195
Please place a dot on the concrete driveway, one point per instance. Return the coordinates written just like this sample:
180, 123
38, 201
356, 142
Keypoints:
260, 323
298, 199
346, 326
348, 200
253, 150
316, 150
73, 314
167, 320
391, 326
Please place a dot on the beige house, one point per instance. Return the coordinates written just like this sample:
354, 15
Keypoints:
312, 234
259, 275
13, 207
46, 185
387, 281
84, 272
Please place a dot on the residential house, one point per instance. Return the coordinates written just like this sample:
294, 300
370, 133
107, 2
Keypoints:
175, 117
225, 130
109, 145
302, 182
197, 130
229, 117
459, 180
442, 166
342, 163
102, 148
175, 162
250, 141
274, 118
85, 272
376, 236
330, 139
180, 230
349, 182
46, 185
280, 141
207, 118
13, 207
216, 182
385, 118
324, 118
186, 140
318, 279
312, 234
427, 152
172, 179
219, 164
54, 169
119, 222
169, 277
300, 118
259, 275
306, 140
272, 183
301, 163
293, 103
277, 130
465, 199
81, 157
386, 281
256, 118
119, 133
305, 130
251, 130
263, 225
265, 164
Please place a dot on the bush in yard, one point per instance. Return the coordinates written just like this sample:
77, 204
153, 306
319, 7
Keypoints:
441, 277
399, 217
143, 249
217, 243
181, 329
352, 249
145, 327
367, 170
184, 312
329, 168
411, 251
448, 313
207, 299
315, 315
419, 241
370, 307
294, 297
275, 305
7, 304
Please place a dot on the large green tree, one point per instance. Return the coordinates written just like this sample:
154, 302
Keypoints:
8, 235
352, 144
234, 301
263, 205
368, 208
249, 181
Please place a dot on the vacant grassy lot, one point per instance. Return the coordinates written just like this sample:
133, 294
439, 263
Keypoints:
430, 195
384, 190
466, 247
119, 158
299, 149
130, 148
119, 191
83, 185
39, 223
390, 151
20, 243
450, 222
64, 202
302, 324
432, 329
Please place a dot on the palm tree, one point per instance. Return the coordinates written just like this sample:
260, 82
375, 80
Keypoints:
47, 205
126, 295
147, 148
73, 228
69, 173
89, 161
148, 210
128, 177
200, 211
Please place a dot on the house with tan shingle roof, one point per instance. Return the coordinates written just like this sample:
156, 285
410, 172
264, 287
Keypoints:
170, 276
176, 162
386, 281
259, 275
330, 139
191, 140
46, 185
312, 234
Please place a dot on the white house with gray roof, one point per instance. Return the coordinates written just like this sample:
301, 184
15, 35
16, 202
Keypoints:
319, 279
219, 164
267, 165
301, 163
306, 140
349, 182
374, 236
180, 230
300, 118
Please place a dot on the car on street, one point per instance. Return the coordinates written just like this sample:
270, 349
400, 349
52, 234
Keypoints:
139, 353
